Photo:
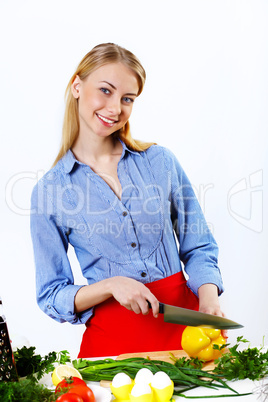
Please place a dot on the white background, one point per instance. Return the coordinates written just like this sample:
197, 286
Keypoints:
206, 98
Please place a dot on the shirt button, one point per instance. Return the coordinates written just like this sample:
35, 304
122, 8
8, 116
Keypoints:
143, 274
133, 244
124, 213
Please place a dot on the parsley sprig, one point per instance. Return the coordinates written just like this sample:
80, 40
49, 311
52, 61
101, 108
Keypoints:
237, 364
34, 366
187, 361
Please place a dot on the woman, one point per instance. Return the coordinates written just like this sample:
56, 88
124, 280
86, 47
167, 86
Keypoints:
120, 203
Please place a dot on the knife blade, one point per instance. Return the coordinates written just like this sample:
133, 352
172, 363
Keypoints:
184, 316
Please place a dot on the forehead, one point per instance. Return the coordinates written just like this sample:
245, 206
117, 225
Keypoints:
117, 74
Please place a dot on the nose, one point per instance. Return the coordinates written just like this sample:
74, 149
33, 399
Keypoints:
114, 106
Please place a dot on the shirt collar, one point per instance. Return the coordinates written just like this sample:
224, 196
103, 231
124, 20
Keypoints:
125, 148
69, 159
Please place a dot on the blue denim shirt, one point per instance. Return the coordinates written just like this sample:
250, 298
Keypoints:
134, 236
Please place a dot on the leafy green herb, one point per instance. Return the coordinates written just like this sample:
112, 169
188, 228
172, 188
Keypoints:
34, 366
25, 390
187, 361
29, 363
63, 357
249, 363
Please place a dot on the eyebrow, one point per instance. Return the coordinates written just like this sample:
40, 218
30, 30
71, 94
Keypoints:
106, 82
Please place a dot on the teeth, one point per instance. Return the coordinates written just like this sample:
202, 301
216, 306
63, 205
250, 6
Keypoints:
106, 120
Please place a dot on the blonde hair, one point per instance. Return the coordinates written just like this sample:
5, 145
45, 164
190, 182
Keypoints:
100, 55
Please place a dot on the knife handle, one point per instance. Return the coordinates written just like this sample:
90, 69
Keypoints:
161, 307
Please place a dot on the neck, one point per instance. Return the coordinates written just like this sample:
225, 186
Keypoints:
96, 149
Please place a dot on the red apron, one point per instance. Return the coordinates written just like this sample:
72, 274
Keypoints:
114, 330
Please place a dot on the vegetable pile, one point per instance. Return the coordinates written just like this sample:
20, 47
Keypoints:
186, 373
186, 377
31, 367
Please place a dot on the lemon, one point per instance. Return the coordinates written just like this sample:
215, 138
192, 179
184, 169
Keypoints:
62, 371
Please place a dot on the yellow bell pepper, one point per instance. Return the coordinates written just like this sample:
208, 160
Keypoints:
198, 342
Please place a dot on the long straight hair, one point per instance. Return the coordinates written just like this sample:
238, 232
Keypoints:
100, 55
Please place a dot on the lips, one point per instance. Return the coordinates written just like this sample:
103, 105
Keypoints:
105, 121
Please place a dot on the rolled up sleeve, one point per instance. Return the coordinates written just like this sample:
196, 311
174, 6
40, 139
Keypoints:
55, 289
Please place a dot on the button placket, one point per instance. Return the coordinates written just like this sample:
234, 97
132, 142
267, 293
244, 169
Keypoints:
125, 180
130, 230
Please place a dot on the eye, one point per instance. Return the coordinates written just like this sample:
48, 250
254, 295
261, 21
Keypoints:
128, 100
105, 91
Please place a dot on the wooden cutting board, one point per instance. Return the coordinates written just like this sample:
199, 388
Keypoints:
163, 355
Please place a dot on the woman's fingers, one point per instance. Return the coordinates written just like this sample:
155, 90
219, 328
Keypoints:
215, 310
146, 303
134, 296
154, 305
225, 333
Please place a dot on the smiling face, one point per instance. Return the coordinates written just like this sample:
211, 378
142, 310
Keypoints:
105, 99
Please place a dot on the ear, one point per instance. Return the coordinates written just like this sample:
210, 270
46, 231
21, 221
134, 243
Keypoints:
76, 87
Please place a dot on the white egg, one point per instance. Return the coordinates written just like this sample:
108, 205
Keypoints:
144, 376
121, 379
160, 380
141, 389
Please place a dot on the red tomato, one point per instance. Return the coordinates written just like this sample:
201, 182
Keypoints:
84, 392
69, 398
69, 382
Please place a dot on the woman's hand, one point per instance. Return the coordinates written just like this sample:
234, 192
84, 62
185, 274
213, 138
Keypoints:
133, 295
130, 293
209, 302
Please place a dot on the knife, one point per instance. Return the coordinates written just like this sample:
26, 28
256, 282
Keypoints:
184, 316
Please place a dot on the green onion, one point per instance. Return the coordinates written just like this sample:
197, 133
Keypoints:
181, 376
210, 396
